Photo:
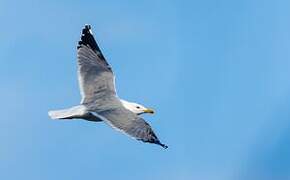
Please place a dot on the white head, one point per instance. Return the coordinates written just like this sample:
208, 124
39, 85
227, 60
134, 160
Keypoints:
136, 108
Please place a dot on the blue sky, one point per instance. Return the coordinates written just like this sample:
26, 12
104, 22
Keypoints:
216, 72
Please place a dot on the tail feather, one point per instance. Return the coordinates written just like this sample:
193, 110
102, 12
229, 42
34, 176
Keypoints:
74, 112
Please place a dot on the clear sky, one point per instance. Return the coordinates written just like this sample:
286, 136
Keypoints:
217, 72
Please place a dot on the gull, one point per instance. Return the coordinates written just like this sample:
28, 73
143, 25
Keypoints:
100, 102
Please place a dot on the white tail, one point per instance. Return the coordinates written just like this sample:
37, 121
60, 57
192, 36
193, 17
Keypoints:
74, 112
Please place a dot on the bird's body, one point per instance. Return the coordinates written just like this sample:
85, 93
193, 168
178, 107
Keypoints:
100, 102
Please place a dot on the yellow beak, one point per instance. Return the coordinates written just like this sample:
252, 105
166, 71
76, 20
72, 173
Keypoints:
151, 111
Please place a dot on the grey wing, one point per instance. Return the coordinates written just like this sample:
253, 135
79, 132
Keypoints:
130, 124
96, 78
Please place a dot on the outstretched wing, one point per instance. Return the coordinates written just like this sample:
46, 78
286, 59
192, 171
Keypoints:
96, 78
127, 122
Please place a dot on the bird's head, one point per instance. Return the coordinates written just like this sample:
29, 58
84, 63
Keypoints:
136, 108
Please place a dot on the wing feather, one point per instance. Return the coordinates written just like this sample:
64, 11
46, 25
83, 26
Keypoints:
96, 78
127, 122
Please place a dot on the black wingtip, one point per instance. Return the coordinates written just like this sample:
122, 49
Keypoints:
87, 39
87, 30
162, 145
154, 141
87, 26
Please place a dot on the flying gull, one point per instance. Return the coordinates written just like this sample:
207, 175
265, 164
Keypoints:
100, 102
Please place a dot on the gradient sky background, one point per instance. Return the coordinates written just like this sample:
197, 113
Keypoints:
216, 71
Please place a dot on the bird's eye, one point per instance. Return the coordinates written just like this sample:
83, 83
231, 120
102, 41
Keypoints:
138, 107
